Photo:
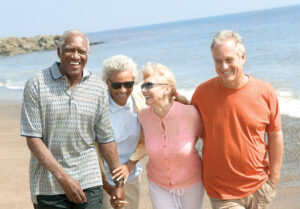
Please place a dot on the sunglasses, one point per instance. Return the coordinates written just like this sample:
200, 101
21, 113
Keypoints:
149, 85
117, 85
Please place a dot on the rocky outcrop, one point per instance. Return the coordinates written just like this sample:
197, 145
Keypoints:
13, 45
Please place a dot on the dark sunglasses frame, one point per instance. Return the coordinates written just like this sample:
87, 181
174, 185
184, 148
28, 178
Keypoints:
117, 85
149, 85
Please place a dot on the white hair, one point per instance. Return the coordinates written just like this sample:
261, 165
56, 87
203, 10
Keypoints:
69, 32
225, 35
118, 63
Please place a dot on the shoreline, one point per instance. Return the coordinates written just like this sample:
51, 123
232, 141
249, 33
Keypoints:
14, 158
289, 105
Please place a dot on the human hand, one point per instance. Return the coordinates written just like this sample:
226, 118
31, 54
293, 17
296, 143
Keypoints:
116, 203
117, 198
72, 189
274, 180
123, 171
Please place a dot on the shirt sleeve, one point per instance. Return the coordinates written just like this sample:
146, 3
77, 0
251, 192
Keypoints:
31, 125
140, 150
194, 98
275, 117
103, 129
194, 102
197, 122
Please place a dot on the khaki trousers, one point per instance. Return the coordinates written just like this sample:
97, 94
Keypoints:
258, 200
132, 195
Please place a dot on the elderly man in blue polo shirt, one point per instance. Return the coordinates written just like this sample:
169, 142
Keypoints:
65, 109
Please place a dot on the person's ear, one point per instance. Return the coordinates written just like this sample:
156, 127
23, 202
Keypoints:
243, 57
167, 90
58, 52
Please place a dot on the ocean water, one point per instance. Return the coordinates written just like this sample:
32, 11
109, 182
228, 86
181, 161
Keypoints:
271, 38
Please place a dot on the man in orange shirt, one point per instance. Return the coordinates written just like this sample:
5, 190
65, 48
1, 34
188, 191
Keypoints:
240, 169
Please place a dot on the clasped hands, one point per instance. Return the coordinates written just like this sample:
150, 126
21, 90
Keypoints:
117, 194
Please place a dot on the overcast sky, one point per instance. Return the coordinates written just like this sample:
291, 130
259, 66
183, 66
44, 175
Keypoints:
40, 17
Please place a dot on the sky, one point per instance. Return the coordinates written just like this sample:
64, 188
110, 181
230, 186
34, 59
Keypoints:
50, 17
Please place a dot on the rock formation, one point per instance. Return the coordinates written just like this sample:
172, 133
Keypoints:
13, 46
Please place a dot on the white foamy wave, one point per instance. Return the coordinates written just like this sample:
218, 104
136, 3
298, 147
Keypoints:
14, 87
288, 102
7, 83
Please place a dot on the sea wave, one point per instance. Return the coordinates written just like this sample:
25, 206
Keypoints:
289, 103
11, 85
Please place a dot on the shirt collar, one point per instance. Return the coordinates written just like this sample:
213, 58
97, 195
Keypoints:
114, 107
56, 74
172, 111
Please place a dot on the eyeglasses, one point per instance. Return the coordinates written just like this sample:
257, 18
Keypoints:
117, 85
149, 85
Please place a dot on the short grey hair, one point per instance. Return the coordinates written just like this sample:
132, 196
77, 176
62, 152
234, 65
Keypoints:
118, 63
225, 35
64, 36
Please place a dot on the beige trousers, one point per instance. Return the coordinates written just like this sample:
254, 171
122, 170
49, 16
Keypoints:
132, 195
258, 200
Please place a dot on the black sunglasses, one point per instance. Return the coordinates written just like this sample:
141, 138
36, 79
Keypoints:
117, 85
149, 85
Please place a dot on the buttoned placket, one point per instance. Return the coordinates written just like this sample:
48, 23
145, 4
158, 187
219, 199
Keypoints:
69, 92
122, 116
165, 151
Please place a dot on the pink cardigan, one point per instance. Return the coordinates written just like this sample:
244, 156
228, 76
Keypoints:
170, 143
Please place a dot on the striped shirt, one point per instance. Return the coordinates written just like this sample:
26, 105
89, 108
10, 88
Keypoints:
68, 121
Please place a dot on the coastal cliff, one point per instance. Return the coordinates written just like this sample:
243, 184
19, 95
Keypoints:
12, 45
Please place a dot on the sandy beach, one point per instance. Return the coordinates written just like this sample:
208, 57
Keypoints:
14, 164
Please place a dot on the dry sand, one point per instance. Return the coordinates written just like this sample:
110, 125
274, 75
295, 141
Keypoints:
14, 166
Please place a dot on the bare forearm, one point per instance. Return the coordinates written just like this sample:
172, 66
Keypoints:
44, 156
139, 151
275, 155
110, 154
107, 187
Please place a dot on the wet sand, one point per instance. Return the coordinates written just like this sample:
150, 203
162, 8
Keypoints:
14, 164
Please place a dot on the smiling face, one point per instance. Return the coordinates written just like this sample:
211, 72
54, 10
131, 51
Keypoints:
120, 95
73, 56
159, 93
228, 63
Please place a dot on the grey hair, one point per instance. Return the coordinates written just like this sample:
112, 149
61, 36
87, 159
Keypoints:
67, 33
118, 63
225, 35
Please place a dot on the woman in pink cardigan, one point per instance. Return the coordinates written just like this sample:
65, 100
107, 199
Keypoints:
171, 130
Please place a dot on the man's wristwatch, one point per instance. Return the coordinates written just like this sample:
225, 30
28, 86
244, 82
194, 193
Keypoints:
119, 182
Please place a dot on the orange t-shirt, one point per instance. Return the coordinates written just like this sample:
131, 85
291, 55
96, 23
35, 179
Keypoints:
235, 121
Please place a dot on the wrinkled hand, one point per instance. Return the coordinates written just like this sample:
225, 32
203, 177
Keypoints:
123, 171
72, 189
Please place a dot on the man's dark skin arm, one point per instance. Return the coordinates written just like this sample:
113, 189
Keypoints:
110, 154
70, 186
